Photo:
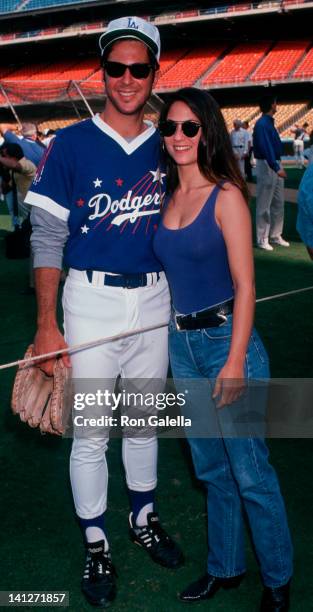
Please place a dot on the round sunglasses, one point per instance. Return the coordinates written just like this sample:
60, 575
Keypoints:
117, 69
169, 127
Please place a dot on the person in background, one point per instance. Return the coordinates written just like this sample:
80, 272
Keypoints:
305, 209
270, 177
48, 135
239, 143
206, 232
298, 143
22, 173
33, 149
249, 155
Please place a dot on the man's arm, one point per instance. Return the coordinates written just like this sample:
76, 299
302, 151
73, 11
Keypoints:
48, 337
48, 240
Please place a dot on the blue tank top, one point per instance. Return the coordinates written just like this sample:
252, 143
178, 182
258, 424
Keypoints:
195, 261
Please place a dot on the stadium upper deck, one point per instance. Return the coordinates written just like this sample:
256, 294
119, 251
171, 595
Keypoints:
11, 6
222, 46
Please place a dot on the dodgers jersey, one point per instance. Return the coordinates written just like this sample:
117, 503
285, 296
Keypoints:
109, 192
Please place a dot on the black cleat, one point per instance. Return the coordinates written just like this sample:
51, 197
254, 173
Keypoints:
98, 582
152, 537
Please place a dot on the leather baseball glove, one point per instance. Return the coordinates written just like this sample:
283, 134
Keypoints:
42, 400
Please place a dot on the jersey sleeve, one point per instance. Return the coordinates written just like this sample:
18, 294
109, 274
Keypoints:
49, 235
52, 186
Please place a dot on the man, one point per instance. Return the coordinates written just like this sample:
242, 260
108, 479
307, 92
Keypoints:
305, 210
270, 176
100, 188
239, 143
298, 143
23, 172
32, 149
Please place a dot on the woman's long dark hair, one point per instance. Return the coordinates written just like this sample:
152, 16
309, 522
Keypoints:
216, 159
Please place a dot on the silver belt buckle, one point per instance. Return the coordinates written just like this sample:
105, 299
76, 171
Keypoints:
176, 322
222, 317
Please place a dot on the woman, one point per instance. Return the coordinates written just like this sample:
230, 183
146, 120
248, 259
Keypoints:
204, 243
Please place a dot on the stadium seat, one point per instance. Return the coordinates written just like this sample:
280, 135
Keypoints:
55, 124
25, 72
280, 60
286, 112
38, 4
306, 118
237, 64
305, 68
93, 85
245, 113
169, 59
7, 6
190, 68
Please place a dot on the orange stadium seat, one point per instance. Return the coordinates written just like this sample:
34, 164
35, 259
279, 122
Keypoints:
245, 113
24, 73
169, 59
305, 68
191, 67
280, 60
54, 71
93, 85
5, 70
39, 82
238, 64
307, 117
56, 124
81, 70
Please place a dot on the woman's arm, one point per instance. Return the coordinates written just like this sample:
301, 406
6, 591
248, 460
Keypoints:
233, 217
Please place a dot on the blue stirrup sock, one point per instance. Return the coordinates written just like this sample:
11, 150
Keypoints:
94, 529
141, 502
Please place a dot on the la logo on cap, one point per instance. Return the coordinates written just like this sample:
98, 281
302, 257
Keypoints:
132, 23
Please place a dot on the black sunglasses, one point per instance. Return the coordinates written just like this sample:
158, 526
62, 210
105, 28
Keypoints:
138, 71
169, 127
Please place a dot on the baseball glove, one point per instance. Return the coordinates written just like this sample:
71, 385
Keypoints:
42, 400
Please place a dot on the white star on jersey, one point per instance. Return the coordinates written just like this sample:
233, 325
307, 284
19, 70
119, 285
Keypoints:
85, 229
97, 183
157, 175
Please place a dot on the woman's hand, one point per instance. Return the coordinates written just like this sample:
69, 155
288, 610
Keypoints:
229, 385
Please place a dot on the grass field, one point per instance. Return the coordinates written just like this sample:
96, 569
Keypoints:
40, 541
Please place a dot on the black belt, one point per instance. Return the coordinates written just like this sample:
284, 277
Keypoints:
211, 317
127, 281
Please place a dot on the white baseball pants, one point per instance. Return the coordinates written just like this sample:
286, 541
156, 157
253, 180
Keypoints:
269, 202
93, 311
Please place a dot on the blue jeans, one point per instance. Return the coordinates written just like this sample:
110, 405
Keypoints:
235, 470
